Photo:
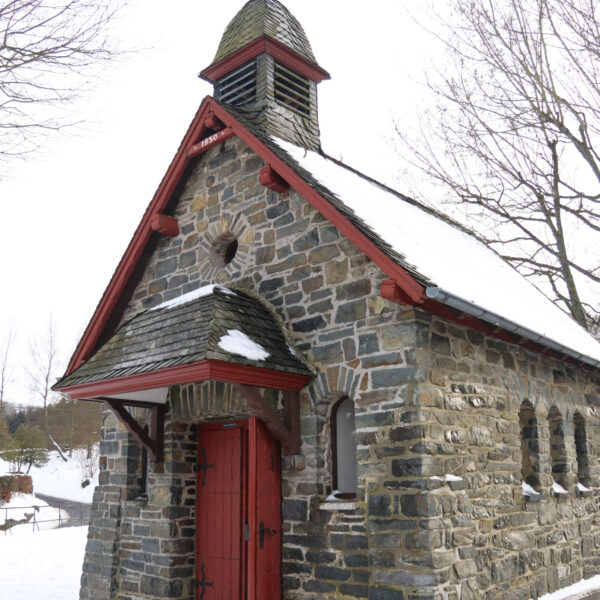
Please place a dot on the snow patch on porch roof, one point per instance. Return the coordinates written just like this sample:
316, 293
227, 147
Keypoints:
237, 342
445, 255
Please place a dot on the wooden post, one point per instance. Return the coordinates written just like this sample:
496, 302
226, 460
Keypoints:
288, 432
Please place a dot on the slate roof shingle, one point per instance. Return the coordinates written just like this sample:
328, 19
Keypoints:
264, 17
186, 333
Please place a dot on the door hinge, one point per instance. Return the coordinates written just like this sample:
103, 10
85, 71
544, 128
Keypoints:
262, 530
203, 584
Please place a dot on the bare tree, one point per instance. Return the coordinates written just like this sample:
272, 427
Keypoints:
514, 135
44, 365
6, 374
47, 48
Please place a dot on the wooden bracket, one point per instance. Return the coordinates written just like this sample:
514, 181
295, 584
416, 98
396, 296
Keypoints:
211, 122
272, 180
152, 441
286, 431
390, 290
165, 225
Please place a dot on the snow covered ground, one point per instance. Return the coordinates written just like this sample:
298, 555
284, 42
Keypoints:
44, 565
576, 591
61, 479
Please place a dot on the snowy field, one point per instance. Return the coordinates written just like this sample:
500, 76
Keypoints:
45, 565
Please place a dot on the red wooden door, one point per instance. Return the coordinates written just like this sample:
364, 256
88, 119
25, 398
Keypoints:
267, 525
238, 521
220, 490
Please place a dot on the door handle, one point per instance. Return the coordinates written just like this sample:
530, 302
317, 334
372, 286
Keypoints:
261, 534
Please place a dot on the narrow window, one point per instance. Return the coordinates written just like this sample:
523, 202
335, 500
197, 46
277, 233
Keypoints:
143, 495
560, 467
581, 449
343, 445
530, 449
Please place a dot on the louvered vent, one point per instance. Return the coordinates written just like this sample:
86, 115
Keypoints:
239, 86
292, 90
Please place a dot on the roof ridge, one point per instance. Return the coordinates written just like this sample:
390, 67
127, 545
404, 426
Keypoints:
429, 209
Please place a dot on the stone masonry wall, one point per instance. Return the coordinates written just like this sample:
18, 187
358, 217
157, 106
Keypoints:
430, 399
141, 546
486, 538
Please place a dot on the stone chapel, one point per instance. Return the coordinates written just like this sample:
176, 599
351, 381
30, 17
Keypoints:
315, 387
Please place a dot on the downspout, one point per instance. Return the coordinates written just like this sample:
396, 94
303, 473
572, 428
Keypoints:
440, 295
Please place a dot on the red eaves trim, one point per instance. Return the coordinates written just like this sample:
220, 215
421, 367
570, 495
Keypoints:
217, 370
276, 49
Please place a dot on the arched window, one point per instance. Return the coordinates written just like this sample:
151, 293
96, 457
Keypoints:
343, 449
530, 449
560, 467
581, 449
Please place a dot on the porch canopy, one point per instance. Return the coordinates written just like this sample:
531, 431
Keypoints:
211, 333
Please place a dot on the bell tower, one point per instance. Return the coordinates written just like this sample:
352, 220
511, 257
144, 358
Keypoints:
265, 67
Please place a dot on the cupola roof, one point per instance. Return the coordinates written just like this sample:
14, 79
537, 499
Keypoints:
260, 18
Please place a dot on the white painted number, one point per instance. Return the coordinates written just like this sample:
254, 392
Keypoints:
208, 140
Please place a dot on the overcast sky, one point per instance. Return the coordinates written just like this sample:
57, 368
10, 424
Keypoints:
68, 213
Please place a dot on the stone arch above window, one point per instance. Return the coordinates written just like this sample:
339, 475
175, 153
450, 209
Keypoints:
343, 449
558, 453
530, 446
581, 450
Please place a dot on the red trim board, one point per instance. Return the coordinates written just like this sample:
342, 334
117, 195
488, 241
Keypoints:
199, 371
276, 49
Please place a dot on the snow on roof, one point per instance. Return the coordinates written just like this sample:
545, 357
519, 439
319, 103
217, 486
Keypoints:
193, 295
237, 342
453, 260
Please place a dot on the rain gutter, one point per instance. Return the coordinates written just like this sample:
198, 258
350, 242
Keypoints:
444, 297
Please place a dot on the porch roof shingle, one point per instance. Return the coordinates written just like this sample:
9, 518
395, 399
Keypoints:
188, 330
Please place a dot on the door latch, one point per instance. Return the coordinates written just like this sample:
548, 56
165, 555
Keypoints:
261, 534
246, 531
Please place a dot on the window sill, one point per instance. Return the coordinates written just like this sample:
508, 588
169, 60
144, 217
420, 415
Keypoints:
537, 498
334, 505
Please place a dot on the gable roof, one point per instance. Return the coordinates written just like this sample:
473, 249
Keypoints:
449, 260
410, 257
193, 328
